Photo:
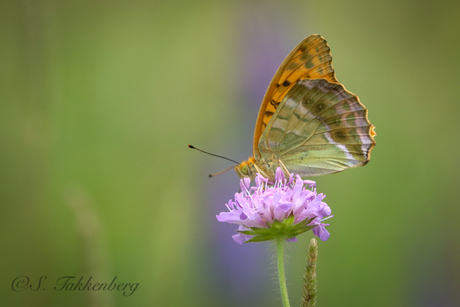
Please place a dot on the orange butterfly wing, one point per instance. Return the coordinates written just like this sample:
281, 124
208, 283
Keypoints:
310, 59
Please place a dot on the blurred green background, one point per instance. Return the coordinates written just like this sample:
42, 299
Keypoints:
99, 100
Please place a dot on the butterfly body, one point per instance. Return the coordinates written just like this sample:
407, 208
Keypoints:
308, 122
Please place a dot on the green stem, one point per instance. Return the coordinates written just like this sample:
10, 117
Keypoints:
281, 274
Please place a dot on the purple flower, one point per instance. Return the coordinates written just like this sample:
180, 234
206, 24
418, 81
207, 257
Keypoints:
283, 209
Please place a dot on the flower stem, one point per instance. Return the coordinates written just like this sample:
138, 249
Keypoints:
281, 274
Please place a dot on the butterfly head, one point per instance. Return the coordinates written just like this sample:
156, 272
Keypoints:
246, 169
250, 167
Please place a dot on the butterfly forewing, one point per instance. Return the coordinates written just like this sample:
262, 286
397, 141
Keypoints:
318, 128
310, 59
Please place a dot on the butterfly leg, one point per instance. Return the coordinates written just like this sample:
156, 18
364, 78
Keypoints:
284, 167
260, 171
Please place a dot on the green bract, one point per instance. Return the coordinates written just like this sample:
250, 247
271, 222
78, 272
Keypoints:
278, 230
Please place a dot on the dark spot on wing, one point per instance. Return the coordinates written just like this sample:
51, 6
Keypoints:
274, 103
306, 103
339, 135
319, 107
305, 55
309, 64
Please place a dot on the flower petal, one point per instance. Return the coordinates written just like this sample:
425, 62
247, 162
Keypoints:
283, 209
321, 232
245, 183
241, 238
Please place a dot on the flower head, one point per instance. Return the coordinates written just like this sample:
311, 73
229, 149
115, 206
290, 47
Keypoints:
284, 209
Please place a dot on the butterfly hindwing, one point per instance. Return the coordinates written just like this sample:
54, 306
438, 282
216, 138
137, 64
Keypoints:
308, 122
310, 59
318, 128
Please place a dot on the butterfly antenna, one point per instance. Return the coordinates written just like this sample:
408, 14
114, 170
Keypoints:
212, 175
193, 147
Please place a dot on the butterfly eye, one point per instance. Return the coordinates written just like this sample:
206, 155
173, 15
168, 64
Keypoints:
245, 170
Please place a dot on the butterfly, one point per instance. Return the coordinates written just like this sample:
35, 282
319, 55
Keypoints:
308, 123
